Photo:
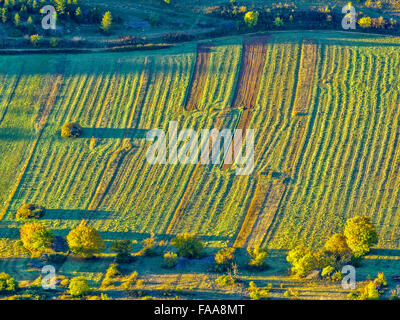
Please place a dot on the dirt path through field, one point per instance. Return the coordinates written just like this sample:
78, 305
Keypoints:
197, 85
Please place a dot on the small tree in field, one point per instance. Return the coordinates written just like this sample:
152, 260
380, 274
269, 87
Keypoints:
35, 237
251, 18
188, 245
30, 211
122, 248
106, 22
78, 286
85, 241
71, 130
360, 235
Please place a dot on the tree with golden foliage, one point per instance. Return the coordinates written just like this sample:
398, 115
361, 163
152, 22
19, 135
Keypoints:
85, 241
35, 237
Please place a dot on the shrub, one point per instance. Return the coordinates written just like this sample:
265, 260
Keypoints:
371, 290
35, 237
71, 130
149, 246
54, 42
188, 245
7, 283
224, 259
36, 40
85, 241
122, 248
256, 293
111, 272
291, 294
251, 18
154, 19
278, 22
327, 271
170, 260
225, 280
30, 211
360, 235
78, 286
365, 22
258, 257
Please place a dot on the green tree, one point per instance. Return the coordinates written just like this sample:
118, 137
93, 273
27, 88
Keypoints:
78, 286
85, 241
188, 245
123, 250
251, 18
106, 22
17, 20
35, 237
360, 235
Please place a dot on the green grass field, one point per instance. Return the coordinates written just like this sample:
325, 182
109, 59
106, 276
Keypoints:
341, 153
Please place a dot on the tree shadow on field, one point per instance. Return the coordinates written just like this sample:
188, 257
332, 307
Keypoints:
113, 133
77, 214
13, 134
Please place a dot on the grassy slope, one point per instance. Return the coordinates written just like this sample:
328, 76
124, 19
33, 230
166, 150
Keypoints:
349, 162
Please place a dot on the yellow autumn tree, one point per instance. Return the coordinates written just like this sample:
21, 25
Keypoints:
85, 241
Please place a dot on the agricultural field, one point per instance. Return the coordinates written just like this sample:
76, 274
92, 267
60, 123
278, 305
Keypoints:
324, 110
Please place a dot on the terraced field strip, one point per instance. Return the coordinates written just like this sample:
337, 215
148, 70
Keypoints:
250, 74
190, 188
117, 157
260, 194
105, 110
11, 96
40, 124
262, 210
197, 85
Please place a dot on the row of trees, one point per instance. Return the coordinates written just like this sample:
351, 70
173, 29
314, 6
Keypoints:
358, 237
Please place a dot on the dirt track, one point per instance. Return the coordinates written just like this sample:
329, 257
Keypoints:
197, 84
